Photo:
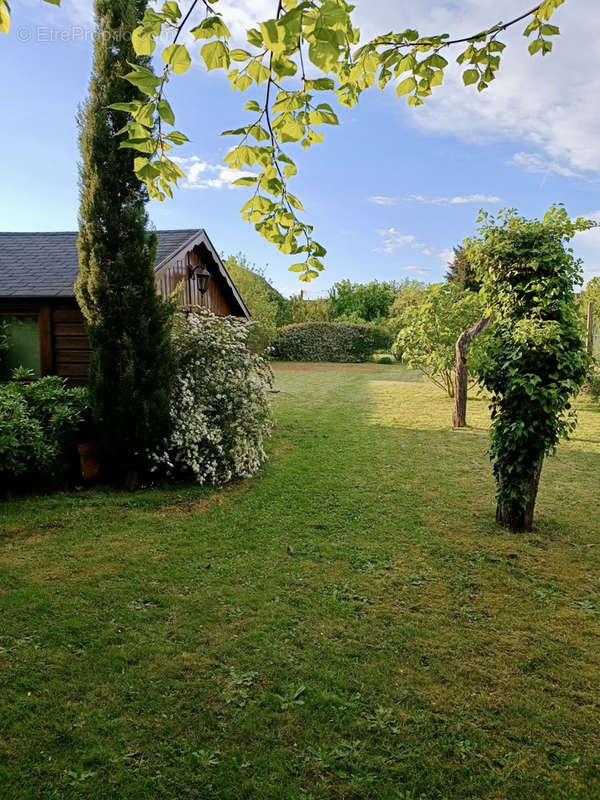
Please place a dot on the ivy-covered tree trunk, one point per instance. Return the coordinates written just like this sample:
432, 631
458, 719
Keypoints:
127, 322
521, 519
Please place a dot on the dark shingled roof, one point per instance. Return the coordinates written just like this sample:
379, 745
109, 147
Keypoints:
45, 264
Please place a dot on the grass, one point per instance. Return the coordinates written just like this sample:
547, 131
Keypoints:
350, 624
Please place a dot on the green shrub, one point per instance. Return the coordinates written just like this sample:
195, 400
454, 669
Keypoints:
327, 341
383, 358
220, 411
38, 431
591, 386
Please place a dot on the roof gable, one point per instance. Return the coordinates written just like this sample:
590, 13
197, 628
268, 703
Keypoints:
46, 264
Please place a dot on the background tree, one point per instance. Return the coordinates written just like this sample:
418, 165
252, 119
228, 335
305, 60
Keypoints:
269, 309
128, 324
461, 272
302, 310
591, 294
430, 329
535, 358
362, 302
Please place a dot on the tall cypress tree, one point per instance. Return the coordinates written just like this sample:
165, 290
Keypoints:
128, 323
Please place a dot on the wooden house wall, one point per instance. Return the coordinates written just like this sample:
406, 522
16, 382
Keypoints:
64, 346
70, 345
176, 273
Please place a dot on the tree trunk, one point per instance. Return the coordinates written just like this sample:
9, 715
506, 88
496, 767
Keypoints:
589, 340
524, 520
461, 377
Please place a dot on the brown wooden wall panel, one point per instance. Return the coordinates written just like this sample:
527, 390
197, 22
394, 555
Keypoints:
175, 274
63, 313
70, 343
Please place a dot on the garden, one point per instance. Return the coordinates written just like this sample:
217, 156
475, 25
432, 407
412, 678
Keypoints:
350, 622
334, 548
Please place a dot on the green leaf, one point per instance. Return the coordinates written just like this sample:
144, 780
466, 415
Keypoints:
298, 267
252, 105
321, 84
242, 83
142, 42
211, 27
257, 71
4, 17
215, 55
171, 10
535, 46
273, 35
239, 55
254, 37
145, 115
283, 67
436, 60
143, 145
246, 181
177, 137
470, 76
177, 57
130, 108
166, 112
406, 86
323, 55
145, 80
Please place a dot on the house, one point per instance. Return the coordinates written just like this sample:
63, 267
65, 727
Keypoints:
45, 325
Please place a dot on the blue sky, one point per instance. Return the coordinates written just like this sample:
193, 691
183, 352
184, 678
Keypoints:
389, 192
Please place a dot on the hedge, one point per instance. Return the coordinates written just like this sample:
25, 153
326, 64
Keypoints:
327, 341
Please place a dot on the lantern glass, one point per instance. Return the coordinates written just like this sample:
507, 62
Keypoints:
202, 280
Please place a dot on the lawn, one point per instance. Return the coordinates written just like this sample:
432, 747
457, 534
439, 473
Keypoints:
350, 624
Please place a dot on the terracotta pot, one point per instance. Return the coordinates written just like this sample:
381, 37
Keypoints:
90, 460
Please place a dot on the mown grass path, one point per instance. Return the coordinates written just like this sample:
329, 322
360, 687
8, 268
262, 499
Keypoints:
350, 624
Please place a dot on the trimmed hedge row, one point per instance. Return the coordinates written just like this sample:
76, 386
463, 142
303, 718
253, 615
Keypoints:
327, 341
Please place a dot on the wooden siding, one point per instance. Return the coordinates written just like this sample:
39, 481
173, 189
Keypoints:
175, 273
64, 346
71, 349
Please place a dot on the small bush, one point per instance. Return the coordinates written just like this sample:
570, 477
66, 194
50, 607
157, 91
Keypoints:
327, 341
383, 359
39, 422
220, 412
591, 386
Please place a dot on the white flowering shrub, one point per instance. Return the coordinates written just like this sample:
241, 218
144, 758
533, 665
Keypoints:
220, 412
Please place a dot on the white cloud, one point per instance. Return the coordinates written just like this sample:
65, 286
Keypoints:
548, 103
202, 175
393, 239
446, 256
384, 200
453, 201
423, 271
534, 162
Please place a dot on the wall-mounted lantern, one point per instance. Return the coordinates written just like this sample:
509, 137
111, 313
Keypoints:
202, 276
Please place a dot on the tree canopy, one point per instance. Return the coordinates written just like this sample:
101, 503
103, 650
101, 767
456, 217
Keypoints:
535, 358
306, 55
